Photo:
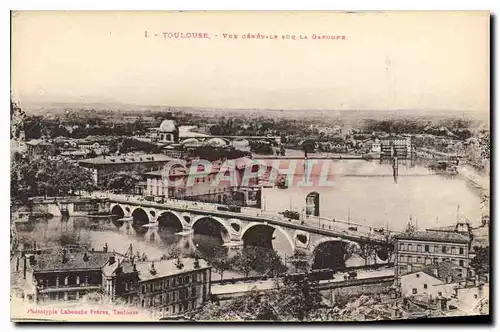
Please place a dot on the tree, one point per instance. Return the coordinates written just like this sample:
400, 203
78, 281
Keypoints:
481, 262
258, 259
298, 297
348, 250
366, 250
300, 260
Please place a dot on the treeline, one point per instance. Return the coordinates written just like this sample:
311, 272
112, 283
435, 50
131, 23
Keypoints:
42, 176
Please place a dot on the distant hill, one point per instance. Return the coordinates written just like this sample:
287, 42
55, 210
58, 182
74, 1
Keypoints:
55, 108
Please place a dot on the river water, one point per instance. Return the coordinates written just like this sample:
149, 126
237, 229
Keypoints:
364, 192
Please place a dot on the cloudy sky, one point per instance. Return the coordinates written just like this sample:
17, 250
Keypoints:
388, 60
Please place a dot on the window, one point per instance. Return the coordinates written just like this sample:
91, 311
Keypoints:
453, 250
126, 285
425, 286
195, 277
193, 291
461, 262
173, 309
440, 293
174, 296
167, 298
414, 291
401, 246
418, 275
161, 298
419, 259
179, 281
443, 249
66, 280
173, 282
419, 248
461, 251
167, 283
142, 303
186, 279
143, 289
428, 261
426, 248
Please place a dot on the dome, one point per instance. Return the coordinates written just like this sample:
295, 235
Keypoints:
216, 142
168, 126
191, 142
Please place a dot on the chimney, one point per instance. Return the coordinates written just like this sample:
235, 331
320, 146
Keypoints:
111, 260
105, 248
179, 264
64, 257
152, 269
196, 263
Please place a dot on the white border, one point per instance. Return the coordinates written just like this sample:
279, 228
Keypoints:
492, 5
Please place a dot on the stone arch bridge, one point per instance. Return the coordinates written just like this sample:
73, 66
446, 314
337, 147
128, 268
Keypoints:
243, 228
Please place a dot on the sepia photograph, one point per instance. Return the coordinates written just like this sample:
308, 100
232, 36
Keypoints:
260, 166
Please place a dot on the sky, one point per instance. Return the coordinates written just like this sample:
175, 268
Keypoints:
388, 60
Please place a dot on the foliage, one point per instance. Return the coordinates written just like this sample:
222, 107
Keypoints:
122, 181
259, 259
481, 262
298, 297
300, 260
261, 147
49, 177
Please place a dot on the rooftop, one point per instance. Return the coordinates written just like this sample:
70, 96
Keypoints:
111, 269
126, 159
166, 268
74, 261
435, 236
445, 271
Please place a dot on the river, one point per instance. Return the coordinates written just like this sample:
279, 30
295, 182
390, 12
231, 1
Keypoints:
364, 192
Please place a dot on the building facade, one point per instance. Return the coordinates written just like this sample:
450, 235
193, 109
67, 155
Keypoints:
173, 287
414, 251
216, 185
168, 287
103, 167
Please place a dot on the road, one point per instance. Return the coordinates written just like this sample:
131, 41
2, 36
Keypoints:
319, 225
242, 287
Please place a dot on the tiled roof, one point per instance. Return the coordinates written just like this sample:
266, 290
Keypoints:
110, 269
436, 236
74, 261
167, 268
444, 270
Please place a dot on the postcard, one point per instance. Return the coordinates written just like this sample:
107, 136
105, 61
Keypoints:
250, 166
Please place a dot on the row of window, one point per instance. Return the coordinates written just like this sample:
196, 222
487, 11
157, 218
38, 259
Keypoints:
431, 248
51, 282
179, 308
426, 260
168, 298
159, 285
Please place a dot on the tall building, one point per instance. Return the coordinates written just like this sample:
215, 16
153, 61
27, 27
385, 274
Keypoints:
173, 287
170, 287
415, 250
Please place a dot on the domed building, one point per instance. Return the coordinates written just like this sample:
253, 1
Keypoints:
167, 133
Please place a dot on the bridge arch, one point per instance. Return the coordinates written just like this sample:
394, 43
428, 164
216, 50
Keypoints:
170, 219
207, 225
264, 233
332, 253
140, 216
117, 210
